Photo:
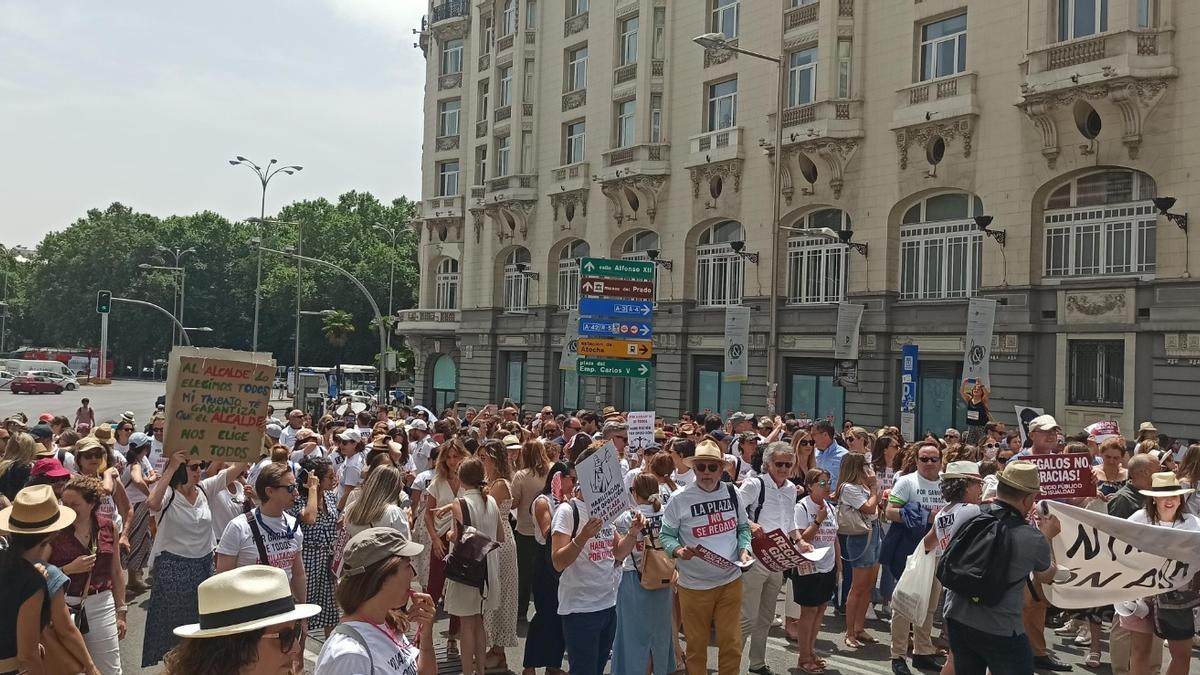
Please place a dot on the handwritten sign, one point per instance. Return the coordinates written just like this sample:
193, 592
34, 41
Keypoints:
217, 403
600, 480
1065, 476
776, 551
641, 429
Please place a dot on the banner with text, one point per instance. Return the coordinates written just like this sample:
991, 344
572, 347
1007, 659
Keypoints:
849, 324
981, 316
570, 350
1064, 476
217, 403
776, 551
602, 483
641, 429
737, 343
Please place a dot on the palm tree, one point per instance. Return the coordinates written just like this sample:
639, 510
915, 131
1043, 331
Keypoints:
337, 327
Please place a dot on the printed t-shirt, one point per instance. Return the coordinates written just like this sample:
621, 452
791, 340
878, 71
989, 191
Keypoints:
590, 583
281, 538
911, 487
683, 479
391, 653
624, 522
806, 512
709, 519
949, 519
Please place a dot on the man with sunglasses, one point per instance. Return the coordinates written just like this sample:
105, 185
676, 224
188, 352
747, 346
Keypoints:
706, 530
295, 421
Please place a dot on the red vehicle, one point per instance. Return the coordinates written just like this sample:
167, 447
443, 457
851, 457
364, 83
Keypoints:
35, 384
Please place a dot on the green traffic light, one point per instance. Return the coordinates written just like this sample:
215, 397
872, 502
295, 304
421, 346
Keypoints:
103, 301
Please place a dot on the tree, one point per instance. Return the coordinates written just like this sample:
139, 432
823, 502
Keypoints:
338, 326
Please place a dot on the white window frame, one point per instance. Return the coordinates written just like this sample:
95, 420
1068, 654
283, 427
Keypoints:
481, 163
659, 48
506, 74
717, 103
797, 69
449, 119
527, 89
629, 40
526, 152
574, 141
452, 56
930, 50
845, 68
488, 35
446, 284
484, 97
801, 3
817, 267
576, 70
516, 284
725, 16
636, 248
576, 7
1147, 13
530, 14
656, 118
1067, 231
928, 249
568, 273
626, 123
448, 180
508, 18
503, 156
1067, 12
720, 273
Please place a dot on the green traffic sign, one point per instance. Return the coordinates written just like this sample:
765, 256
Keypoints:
612, 368
621, 269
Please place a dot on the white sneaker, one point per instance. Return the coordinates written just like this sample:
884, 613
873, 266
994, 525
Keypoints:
1070, 628
871, 616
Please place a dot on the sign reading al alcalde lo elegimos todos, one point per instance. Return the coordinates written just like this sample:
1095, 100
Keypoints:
217, 403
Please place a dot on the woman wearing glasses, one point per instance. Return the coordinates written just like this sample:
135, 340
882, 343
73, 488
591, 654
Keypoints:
813, 583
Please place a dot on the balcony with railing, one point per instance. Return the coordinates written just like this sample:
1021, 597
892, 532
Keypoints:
443, 207
799, 17
450, 10
514, 187
822, 119
625, 73
715, 146
941, 98
647, 159
575, 176
1142, 53
444, 321
504, 42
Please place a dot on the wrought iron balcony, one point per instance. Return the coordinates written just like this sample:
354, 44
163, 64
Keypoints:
451, 9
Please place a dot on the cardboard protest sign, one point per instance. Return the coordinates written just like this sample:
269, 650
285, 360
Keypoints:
600, 480
217, 403
1064, 476
641, 429
776, 551
1112, 560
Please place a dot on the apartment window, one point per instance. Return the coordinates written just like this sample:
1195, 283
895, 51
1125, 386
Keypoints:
483, 100
576, 7
1080, 18
516, 280
508, 18
656, 117
626, 119
802, 77
445, 382
487, 37
638, 247
526, 152
1147, 13
503, 156
576, 69
725, 17
722, 105
629, 41
817, 266
845, 49
448, 178
481, 172
709, 388
452, 57
446, 285
573, 142
718, 269
944, 47
1097, 376
568, 273
530, 15
660, 32
527, 92
505, 86
811, 392
513, 366
638, 393
572, 390
941, 248
448, 114
1101, 224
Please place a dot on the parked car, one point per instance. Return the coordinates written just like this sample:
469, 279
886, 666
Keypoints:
6, 378
68, 382
358, 395
35, 384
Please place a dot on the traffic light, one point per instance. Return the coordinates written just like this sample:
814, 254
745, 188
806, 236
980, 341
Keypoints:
103, 301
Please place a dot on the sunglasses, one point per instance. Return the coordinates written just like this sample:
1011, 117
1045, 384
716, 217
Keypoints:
929, 460
1002, 460
782, 465
193, 467
287, 637
705, 467
808, 442
157, 430
290, 488
90, 455
822, 483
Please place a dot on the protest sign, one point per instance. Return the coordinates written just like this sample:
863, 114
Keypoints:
217, 403
1064, 476
737, 343
713, 558
1112, 560
600, 480
641, 429
1025, 415
776, 551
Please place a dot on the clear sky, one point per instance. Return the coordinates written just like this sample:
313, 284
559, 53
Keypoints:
144, 101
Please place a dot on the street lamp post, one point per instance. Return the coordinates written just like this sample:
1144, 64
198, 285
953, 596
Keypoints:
178, 304
392, 233
719, 41
264, 177
299, 261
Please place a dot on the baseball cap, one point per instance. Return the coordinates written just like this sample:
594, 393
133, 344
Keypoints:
741, 417
49, 467
1043, 423
274, 431
41, 431
419, 425
46, 417
349, 435
373, 545
138, 439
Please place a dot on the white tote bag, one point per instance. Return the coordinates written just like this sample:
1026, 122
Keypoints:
911, 597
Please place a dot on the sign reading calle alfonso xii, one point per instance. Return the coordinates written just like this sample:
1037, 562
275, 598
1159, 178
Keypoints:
616, 308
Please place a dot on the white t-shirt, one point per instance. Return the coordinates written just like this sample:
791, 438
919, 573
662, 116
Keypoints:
629, 476
287, 437
855, 496
710, 519
1190, 523
281, 538
225, 505
298, 456
624, 522
741, 466
391, 653
912, 487
419, 452
184, 528
135, 494
350, 473
806, 512
949, 519
683, 479
393, 517
590, 583
157, 459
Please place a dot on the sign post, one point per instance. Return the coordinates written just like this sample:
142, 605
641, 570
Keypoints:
613, 327
909, 379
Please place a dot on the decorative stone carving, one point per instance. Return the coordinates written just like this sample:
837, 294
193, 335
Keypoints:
627, 10
477, 223
836, 152
453, 226
511, 217
795, 43
1181, 345
713, 57
922, 134
575, 24
574, 100
451, 30
561, 200
646, 188
446, 143
730, 169
1096, 307
450, 81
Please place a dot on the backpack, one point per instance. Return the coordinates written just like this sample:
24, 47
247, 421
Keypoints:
975, 563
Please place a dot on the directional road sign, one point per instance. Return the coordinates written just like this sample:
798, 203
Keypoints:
616, 309
618, 329
602, 287
620, 349
612, 368
619, 269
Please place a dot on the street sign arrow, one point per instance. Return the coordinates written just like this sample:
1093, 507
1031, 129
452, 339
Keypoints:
622, 349
617, 329
612, 368
619, 269
616, 309
603, 287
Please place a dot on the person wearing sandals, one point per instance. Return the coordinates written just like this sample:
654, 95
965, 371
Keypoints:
547, 651
249, 624
813, 583
858, 497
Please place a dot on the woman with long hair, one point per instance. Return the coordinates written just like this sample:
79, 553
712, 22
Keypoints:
87, 552
859, 441
547, 651
93, 458
442, 490
379, 505
468, 603
535, 465
316, 507
804, 447
858, 490
813, 584
1189, 476
643, 642
138, 478
500, 623
885, 461
20, 452
1111, 475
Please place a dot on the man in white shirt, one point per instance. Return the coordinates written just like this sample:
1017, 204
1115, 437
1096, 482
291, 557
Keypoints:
287, 436
420, 445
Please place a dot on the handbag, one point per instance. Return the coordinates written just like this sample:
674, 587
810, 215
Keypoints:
79, 615
656, 570
467, 561
57, 656
851, 522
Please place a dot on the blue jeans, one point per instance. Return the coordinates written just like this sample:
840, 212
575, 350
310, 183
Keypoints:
976, 652
589, 637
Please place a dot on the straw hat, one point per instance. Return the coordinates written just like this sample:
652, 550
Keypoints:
1021, 475
511, 442
610, 412
705, 450
962, 469
1165, 484
35, 510
104, 434
244, 599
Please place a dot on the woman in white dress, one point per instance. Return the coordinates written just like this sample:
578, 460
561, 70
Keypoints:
467, 602
501, 623
439, 494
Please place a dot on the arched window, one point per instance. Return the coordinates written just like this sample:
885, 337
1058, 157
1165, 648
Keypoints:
568, 273
718, 268
637, 247
445, 382
446, 285
817, 265
1101, 224
941, 248
516, 280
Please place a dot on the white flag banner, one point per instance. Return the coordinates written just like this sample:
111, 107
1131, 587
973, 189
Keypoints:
1111, 560
570, 350
981, 316
849, 323
737, 343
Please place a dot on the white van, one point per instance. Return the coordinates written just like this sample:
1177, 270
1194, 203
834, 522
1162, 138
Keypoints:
16, 366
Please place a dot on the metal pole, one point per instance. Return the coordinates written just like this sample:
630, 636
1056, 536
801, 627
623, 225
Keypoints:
103, 346
4, 316
182, 290
777, 193
104, 323
262, 214
296, 359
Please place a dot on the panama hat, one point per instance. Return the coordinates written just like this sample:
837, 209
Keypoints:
244, 599
962, 469
610, 412
1165, 484
1021, 475
705, 450
36, 510
511, 442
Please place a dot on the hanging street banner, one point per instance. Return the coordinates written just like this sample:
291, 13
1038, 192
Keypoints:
617, 349
570, 350
640, 330
615, 309
737, 343
612, 367
217, 403
981, 316
641, 429
602, 483
908, 390
849, 323
618, 269
598, 287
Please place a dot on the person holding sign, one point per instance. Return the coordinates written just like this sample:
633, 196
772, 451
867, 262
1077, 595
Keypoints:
706, 529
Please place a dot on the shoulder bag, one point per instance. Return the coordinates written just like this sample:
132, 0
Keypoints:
657, 569
467, 560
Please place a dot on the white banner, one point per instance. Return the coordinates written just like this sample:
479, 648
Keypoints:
641, 429
849, 322
1112, 560
570, 350
981, 316
737, 343
602, 484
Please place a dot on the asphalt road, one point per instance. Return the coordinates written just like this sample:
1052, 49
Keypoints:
108, 400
